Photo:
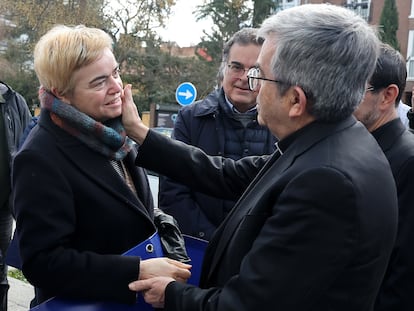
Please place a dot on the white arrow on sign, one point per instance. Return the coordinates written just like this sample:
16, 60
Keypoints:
187, 94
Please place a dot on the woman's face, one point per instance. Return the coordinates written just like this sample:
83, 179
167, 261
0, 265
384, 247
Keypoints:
98, 89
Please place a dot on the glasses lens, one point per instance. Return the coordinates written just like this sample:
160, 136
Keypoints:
252, 75
236, 69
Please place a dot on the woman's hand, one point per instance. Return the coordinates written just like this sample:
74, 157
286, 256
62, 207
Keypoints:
163, 266
133, 124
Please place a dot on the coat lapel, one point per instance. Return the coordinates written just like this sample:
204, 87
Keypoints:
99, 169
243, 207
94, 166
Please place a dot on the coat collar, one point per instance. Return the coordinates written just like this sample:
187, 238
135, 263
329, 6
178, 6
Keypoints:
388, 134
210, 103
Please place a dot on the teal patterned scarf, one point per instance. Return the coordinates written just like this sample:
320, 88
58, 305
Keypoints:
107, 138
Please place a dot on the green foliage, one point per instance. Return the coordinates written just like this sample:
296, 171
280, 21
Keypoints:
228, 17
26, 84
34, 18
29, 21
261, 10
156, 76
17, 274
389, 24
152, 70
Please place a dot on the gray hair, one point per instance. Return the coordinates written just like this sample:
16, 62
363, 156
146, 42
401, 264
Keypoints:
327, 50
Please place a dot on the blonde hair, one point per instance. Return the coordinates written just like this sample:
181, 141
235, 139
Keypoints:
65, 49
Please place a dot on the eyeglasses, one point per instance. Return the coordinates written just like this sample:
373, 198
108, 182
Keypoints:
370, 89
253, 78
237, 69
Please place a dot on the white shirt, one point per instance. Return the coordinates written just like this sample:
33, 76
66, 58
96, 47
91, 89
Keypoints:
402, 112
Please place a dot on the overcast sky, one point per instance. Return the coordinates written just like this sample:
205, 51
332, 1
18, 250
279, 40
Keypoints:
182, 27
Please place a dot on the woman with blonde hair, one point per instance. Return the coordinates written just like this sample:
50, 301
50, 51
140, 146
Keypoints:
80, 202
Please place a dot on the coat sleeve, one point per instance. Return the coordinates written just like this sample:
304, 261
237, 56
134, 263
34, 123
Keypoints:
24, 112
213, 175
179, 200
396, 290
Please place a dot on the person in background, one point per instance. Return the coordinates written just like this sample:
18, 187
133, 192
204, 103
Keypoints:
14, 117
402, 111
378, 112
311, 230
410, 113
224, 123
79, 200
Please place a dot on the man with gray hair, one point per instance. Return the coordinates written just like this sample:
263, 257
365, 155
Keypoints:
311, 230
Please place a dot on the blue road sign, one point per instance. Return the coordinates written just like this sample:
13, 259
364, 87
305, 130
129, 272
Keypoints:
185, 94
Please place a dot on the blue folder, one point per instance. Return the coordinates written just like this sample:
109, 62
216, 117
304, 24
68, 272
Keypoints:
150, 248
13, 256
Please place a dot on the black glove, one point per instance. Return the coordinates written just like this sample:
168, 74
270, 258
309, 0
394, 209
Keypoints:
172, 241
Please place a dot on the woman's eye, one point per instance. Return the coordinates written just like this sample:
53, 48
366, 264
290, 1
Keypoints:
99, 83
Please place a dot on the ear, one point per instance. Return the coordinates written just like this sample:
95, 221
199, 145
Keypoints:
63, 98
298, 102
390, 94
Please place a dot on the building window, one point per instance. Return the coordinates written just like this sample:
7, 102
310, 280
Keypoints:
412, 9
361, 7
410, 56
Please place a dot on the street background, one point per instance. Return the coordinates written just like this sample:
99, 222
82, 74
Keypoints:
20, 295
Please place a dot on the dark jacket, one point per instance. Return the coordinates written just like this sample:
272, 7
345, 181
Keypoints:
410, 117
397, 289
313, 230
16, 116
76, 216
210, 125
